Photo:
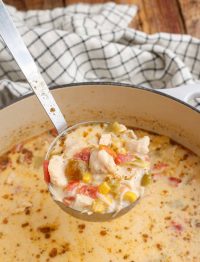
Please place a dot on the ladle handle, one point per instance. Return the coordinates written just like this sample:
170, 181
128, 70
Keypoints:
26, 63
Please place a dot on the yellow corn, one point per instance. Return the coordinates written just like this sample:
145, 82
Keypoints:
98, 206
114, 127
122, 151
130, 196
87, 177
104, 188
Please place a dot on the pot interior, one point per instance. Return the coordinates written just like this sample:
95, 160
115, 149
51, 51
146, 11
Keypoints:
146, 233
132, 106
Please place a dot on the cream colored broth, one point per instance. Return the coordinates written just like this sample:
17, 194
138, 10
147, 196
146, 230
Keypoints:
164, 226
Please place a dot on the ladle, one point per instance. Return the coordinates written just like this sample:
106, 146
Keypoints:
19, 51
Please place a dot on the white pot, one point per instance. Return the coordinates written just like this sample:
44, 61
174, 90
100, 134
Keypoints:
135, 107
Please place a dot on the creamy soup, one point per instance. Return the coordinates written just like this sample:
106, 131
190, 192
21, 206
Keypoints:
98, 168
163, 227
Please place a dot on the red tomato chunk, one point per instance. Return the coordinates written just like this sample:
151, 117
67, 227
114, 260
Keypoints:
46, 171
67, 200
53, 132
90, 191
72, 185
177, 227
84, 155
123, 158
160, 165
174, 181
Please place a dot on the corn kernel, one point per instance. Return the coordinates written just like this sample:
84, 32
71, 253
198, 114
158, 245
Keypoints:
115, 127
114, 188
87, 177
122, 151
146, 180
104, 188
98, 206
130, 196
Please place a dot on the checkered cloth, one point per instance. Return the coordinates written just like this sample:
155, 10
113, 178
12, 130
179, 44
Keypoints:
83, 42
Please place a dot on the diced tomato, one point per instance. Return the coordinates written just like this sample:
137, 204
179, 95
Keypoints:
177, 227
174, 181
53, 132
67, 200
123, 158
160, 165
72, 185
46, 171
109, 150
88, 190
84, 155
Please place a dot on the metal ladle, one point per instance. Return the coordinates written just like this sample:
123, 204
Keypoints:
27, 65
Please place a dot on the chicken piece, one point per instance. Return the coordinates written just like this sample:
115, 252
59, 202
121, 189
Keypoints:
138, 146
122, 128
129, 133
73, 145
105, 140
56, 170
82, 202
101, 162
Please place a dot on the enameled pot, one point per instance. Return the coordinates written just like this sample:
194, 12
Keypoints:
135, 107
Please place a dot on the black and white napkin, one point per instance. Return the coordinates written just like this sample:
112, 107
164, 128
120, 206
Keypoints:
84, 43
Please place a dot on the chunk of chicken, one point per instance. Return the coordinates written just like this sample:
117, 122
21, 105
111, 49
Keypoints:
105, 140
74, 145
129, 134
138, 146
101, 162
57, 171
122, 128
82, 202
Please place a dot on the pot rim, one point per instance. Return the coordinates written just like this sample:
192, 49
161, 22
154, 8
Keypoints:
120, 84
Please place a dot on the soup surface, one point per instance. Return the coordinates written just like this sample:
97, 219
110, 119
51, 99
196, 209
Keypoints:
163, 227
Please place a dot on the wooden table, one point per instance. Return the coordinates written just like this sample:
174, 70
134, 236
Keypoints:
175, 16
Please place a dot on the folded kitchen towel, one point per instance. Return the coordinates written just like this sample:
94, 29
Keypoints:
83, 42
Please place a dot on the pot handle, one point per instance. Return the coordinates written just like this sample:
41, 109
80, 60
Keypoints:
184, 93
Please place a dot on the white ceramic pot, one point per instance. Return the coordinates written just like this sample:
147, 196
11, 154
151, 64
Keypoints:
135, 107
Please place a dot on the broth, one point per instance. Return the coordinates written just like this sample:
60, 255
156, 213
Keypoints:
164, 226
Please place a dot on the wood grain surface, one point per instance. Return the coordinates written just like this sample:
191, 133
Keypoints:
175, 16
